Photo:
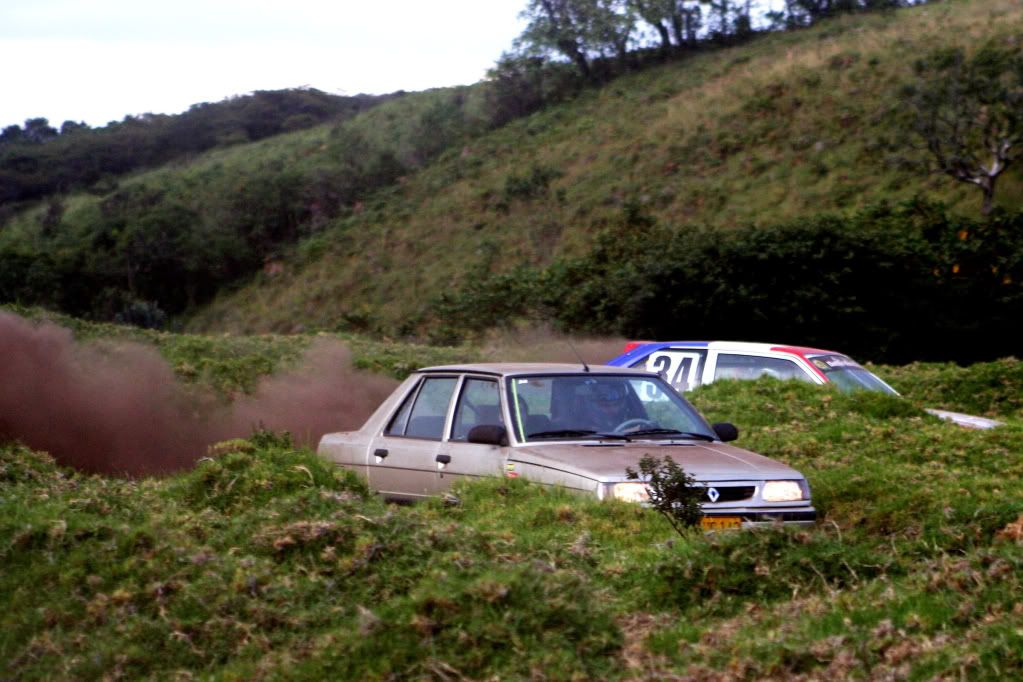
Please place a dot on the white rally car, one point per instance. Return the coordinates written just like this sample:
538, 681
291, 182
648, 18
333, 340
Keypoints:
688, 364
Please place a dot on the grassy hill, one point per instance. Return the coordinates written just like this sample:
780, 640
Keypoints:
791, 125
167, 239
38, 161
265, 562
362, 225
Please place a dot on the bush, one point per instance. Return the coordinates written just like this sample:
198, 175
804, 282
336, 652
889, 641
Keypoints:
145, 314
530, 185
891, 283
520, 85
673, 492
245, 474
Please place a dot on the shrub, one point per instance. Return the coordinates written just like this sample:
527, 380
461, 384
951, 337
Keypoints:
673, 492
530, 185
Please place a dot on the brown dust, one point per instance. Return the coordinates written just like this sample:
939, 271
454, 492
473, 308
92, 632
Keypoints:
117, 408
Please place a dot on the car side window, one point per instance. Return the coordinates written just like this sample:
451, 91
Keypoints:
400, 419
429, 408
736, 366
479, 403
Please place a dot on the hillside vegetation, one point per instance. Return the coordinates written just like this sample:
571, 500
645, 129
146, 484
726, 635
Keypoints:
39, 159
769, 190
161, 242
265, 562
789, 126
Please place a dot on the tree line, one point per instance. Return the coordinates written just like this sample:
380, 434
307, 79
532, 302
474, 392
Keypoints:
599, 39
38, 159
588, 32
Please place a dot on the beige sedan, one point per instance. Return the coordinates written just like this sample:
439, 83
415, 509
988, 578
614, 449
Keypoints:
558, 424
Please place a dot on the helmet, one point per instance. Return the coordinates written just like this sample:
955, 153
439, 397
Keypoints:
608, 392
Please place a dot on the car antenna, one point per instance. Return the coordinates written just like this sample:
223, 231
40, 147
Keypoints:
586, 368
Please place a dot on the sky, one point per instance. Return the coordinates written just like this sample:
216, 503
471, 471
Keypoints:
99, 60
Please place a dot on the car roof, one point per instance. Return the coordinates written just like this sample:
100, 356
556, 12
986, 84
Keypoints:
636, 350
516, 368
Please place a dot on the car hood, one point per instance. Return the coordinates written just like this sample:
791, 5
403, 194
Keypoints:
967, 420
607, 461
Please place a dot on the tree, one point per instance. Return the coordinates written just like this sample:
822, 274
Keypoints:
39, 130
12, 133
969, 113
70, 127
613, 23
579, 30
676, 21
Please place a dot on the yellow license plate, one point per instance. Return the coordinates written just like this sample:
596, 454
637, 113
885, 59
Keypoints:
720, 522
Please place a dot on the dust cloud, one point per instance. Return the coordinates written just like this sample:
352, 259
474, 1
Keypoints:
117, 408
326, 393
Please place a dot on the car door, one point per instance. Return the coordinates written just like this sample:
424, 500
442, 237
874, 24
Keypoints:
403, 459
479, 403
680, 367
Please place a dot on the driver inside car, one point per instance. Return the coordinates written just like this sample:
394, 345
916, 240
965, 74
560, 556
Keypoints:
608, 407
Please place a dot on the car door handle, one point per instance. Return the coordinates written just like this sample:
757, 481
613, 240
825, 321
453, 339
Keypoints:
380, 454
444, 459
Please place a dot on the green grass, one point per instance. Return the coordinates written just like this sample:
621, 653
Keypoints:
990, 388
265, 561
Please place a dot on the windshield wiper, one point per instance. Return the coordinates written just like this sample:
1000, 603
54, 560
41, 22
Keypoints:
561, 433
576, 433
615, 436
670, 432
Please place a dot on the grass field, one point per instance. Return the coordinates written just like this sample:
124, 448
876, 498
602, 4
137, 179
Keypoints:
264, 562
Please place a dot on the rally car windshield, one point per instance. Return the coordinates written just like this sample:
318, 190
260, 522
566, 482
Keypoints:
845, 373
598, 406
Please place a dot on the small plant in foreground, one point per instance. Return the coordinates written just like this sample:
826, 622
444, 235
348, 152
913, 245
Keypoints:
673, 492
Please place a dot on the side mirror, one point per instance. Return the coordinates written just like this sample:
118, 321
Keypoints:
488, 434
726, 431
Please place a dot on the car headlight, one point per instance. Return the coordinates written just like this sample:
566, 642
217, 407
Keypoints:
630, 492
785, 491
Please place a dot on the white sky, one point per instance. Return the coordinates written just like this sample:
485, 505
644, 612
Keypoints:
98, 60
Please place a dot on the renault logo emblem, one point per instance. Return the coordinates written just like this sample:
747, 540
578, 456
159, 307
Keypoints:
713, 494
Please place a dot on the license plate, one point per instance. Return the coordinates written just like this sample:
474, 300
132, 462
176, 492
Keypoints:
720, 522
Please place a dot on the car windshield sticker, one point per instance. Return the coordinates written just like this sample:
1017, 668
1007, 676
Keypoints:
830, 362
518, 409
